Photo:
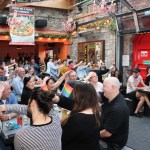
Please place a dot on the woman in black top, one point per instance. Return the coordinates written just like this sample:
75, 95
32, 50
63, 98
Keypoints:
27, 90
81, 128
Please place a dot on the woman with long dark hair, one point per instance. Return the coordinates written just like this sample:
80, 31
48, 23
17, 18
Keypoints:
81, 128
27, 90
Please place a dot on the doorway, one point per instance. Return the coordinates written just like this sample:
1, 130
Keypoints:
141, 53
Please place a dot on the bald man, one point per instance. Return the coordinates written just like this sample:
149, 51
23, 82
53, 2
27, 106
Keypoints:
114, 116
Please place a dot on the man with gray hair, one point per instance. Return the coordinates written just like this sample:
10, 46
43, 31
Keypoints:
17, 83
114, 125
7, 98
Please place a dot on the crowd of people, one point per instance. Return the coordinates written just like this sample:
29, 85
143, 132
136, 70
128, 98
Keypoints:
98, 118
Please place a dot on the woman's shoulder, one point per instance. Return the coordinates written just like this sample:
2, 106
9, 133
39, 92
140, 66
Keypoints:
79, 116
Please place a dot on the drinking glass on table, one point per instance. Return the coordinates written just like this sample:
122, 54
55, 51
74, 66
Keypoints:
64, 113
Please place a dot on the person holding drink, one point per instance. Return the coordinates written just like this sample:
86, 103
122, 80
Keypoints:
45, 130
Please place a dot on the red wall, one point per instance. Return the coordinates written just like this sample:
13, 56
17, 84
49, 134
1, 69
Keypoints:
141, 52
41, 47
13, 50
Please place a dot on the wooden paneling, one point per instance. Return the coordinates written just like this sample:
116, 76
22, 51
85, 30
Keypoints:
59, 4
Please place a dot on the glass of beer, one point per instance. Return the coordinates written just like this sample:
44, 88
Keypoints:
64, 113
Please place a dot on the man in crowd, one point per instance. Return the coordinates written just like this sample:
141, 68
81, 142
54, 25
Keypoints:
54, 68
101, 72
17, 83
2, 76
35, 66
64, 68
114, 124
72, 66
102, 67
132, 86
81, 70
72, 76
7, 98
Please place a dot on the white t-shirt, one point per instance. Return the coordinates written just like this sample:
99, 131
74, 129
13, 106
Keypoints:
48, 67
99, 87
135, 82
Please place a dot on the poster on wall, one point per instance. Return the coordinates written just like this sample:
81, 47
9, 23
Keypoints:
21, 24
91, 53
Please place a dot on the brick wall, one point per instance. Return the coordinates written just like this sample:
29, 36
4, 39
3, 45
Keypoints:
128, 50
102, 34
54, 17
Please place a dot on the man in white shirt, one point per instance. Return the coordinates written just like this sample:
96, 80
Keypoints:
132, 86
17, 83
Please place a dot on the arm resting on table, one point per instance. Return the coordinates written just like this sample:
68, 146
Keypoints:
16, 108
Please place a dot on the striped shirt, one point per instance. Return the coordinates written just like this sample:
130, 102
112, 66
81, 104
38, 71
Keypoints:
40, 137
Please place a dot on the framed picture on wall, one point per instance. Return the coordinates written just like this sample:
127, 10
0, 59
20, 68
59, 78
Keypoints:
91, 51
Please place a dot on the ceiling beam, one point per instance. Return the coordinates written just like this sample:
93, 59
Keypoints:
3, 4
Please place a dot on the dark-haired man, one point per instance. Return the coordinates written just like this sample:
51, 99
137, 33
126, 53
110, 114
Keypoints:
132, 86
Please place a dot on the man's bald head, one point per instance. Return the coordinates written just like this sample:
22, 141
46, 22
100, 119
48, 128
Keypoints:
111, 87
113, 81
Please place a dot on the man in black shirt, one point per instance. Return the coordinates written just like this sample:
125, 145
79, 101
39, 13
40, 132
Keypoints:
114, 116
102, 72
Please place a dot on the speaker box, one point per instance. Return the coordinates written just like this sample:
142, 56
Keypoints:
3, 20
41, 23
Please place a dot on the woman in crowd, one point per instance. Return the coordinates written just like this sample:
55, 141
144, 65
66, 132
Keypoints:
52, 85
26, 65
32, 74
93, 79
115, 73
45, 131
64, 67
42, 66
147, 80
81, 128
27, 90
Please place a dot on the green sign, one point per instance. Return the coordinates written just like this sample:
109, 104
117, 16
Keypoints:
91, 46
146, 62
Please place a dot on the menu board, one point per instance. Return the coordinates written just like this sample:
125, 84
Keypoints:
21, 23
